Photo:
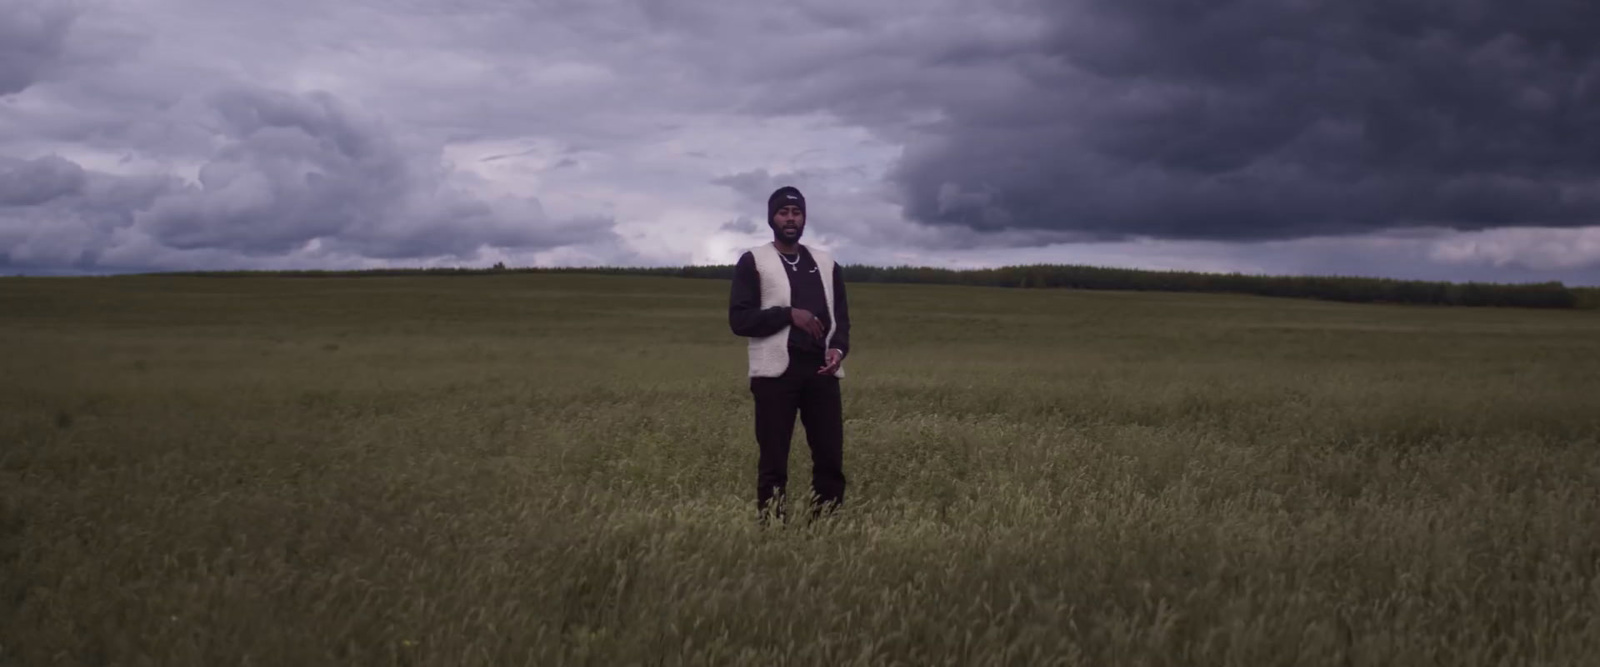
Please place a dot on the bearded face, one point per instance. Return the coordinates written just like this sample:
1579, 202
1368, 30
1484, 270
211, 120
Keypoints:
788, 224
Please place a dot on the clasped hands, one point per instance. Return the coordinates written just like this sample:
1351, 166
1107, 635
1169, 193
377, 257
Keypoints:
809, 323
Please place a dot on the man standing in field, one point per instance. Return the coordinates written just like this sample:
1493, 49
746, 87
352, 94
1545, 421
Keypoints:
789, 300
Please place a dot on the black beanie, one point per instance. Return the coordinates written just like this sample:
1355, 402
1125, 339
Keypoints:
782, 197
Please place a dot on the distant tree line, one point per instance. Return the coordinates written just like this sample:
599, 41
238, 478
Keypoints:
1587, 297
1330, 288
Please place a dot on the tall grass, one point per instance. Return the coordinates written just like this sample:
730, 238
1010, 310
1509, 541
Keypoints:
558, 469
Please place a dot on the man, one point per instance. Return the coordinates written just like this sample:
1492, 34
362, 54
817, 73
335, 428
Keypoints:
789, 300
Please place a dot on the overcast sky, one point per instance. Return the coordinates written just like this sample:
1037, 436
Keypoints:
1444, 140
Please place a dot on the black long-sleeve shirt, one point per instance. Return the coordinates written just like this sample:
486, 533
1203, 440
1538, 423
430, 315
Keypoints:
747, 318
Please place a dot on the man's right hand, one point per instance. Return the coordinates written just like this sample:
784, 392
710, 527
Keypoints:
807, 322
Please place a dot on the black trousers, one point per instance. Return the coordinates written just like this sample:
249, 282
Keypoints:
816, 398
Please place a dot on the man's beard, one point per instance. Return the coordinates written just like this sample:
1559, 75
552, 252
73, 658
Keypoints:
779, 236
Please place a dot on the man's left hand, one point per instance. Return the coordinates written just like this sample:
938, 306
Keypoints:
834, 358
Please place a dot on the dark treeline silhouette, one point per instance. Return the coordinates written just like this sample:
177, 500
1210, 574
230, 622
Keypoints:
1331, 288
1587, 297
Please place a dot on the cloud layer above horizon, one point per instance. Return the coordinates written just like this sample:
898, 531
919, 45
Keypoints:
1409, 139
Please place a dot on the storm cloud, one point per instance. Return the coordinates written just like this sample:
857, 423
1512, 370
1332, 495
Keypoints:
1259, 119
34, 182
288, 172
31, 36
1407, 137
295, 169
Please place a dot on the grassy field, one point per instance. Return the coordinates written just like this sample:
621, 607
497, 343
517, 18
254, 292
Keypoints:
548, 469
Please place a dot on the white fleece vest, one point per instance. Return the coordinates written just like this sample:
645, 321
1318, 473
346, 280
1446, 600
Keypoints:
769, 355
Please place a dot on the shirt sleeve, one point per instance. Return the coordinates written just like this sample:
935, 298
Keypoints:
745, 316
841, 313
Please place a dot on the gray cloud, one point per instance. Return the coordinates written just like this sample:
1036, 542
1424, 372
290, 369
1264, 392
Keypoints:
290, 173
34, 182
75, 228
1240, 119
1251, 119
756, 185
741, 225
178, 133
31, 36
300, 168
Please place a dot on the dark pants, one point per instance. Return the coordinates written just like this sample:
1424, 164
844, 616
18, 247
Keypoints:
816, 398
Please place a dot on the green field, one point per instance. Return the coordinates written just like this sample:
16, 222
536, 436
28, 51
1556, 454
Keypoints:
558, 469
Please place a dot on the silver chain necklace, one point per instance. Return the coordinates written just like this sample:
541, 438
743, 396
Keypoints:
793, 264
